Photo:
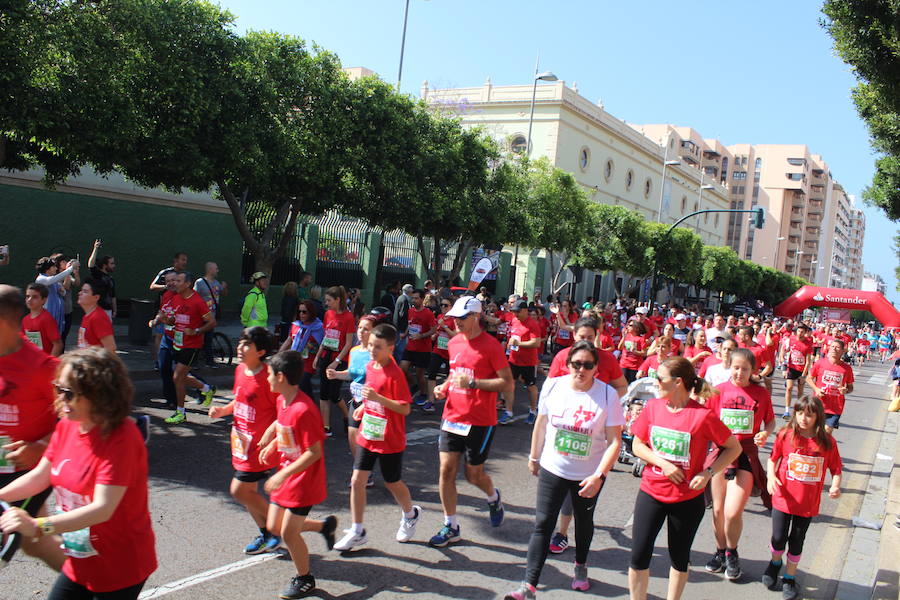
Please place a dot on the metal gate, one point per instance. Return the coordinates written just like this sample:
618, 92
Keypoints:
338, 253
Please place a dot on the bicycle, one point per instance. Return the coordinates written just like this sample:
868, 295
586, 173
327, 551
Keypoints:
9, 542
220, 349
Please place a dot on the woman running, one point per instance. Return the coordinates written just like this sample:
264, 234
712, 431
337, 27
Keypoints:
574, 444
633, 348
696, 349
671, 436
306, 335
339, 327
565, 326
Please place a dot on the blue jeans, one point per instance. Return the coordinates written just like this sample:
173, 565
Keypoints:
165, 363
400, 348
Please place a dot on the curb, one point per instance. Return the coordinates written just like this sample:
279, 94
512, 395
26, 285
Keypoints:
886, 579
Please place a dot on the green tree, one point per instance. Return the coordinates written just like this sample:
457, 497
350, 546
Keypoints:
718, 269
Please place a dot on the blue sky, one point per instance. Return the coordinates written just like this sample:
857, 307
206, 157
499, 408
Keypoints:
759, 72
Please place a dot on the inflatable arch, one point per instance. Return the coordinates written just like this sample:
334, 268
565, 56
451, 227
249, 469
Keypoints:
810, 295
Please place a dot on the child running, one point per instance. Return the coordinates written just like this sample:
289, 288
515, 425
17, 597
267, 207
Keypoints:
296, 435
796, 476
381, 438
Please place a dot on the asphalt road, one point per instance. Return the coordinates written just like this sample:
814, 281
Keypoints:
201, 531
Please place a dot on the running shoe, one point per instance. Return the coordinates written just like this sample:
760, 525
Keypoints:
370, 482
786, 416
496, 509
558, 543
505, 418
328, 433
428, 407
208, 396
420, 400
273, 542
446, 535
525, 591
351, 540
328, 529
770, 577
257, 546
732, 566
529, 420
143, 425
717, 563
300, 586
789, 589
177, 418
580, 581
408, 526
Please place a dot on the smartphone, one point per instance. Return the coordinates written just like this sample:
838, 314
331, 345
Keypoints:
4, 254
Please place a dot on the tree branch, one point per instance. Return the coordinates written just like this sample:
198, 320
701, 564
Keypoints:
280, 216
287, 234
237, 213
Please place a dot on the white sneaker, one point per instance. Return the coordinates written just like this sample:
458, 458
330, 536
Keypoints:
408, 526
351, 540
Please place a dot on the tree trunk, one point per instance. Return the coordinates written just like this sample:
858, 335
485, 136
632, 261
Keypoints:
423, 254
459, 261
562, 265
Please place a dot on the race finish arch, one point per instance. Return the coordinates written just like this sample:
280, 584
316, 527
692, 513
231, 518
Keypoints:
809, 295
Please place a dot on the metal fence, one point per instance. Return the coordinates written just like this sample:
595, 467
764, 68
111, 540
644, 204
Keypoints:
340, 247
288, 267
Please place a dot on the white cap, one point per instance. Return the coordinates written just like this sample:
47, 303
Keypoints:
464, 306
680, 317
641, 310
408, 287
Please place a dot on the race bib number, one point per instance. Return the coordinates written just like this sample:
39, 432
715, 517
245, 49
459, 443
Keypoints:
331, 341
457, 428
5, 465
572, 444
35, 338
502, 328
652, 374
77, 544
671, 444
805, 469
443, 342
797, 358
629, 346
356, 389
414, 329
738, 420
240, 443
82, 343
564, 334
287, 444
179, 338
373, 427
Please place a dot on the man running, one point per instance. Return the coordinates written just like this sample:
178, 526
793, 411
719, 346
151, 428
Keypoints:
524, 340
421, 325
830, 380
158, 284
478, 370
799, 360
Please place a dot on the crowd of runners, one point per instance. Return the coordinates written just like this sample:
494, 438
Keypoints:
65, 427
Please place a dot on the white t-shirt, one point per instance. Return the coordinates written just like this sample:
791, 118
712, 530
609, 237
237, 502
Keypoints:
576, 426
718, 374
711, 334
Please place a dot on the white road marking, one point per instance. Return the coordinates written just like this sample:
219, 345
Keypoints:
199, 578
629, 522
881, 456
878, 379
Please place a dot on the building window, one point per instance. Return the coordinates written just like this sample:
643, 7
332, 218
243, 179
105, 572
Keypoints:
758, 165
683, 203
797, 161
584, 158
739, 175
608, 169
696, 206
717, 221
629, 179
648, 185
795, 176
706, 218
518, 144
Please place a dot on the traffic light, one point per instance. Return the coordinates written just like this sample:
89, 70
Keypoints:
759, 219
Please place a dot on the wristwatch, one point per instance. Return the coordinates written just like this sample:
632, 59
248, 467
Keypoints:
710, 471
45, 526
472, 384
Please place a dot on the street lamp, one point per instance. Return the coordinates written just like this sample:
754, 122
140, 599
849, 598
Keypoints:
662, 182
797, 268
700, 195
545, 76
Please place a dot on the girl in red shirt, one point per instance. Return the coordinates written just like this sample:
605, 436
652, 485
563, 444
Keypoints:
332, 354
565, 323
633, 347
796, 476
696, 350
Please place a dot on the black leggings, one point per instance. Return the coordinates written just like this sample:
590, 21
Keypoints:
782, 523
630, 374
551, 491
329, 389
683, 518
66, 589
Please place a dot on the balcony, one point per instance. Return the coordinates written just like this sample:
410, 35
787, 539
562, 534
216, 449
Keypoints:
815, 207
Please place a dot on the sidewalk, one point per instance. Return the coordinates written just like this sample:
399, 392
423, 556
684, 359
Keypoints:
887, 578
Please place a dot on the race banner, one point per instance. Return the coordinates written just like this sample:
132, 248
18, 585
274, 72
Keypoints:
481, 270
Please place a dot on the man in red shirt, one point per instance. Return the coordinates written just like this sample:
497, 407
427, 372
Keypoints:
524, 340
478, 370
831, 379
39, 326
799, 360
608, 369
764, 365
191, 319
96, 327
422, 324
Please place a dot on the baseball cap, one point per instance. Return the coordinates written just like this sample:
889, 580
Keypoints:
408, 287
520, 305
464, 306
258, 275
680, 317
641, 310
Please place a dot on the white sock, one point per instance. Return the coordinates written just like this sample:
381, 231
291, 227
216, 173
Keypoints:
451, 521
495, 496
357, 528
411, 514
205, 388
181, 410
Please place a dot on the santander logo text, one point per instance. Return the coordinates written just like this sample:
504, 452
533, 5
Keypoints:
830, 298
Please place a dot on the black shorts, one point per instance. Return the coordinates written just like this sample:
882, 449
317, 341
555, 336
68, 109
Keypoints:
300, 511
251, 476
185, 356
476, 445
352, 406
391, 464
35, 503
437, 364
833, 421
417, 359
528, 375
743, 464
794, 373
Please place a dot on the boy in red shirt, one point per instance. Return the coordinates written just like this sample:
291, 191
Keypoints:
799, 360
39, 326
381, 438
524, 341
830, 379
422, 325
295, 437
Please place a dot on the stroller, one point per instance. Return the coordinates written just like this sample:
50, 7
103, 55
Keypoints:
638, 393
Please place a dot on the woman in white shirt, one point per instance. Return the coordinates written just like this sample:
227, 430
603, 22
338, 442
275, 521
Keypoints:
574, 444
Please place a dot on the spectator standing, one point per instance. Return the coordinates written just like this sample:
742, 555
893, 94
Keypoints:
101, 272
50, 275
290, 300
71, 285
255, 312
389, 299
211, 290
401, 319
303, 286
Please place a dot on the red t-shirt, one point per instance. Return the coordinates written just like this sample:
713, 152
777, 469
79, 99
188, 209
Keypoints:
41, 330
802, 472
189, 313
675, 347
650, 366
760, 355
527, 331
506, 318
383, 430
862, 345
692, 351
26, 394
681, 438
94, 327
628, 359
420, 321
119, 552
337, 326
819, 338
829, 377
299, 427
168, 309
254, 411
798, 350
605, 342
544, 322
742, 409
608, 369
482, 357
442, 338
564, 336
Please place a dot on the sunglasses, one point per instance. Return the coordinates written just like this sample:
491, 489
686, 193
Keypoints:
586, 365
67, 394
446, 305
302, 312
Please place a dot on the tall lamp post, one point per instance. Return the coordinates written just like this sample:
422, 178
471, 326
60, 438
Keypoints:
662, 182
402, 44
545, 76
700, 195
797, 268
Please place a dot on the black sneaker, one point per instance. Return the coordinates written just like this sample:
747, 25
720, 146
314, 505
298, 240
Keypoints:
732, 566
789, 589
328, 529
300, 586
717, 563
770, 577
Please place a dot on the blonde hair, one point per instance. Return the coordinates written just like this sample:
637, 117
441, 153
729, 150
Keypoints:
290, 289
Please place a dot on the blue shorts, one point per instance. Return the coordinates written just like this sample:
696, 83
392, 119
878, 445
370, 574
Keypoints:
833, 421
159, 329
